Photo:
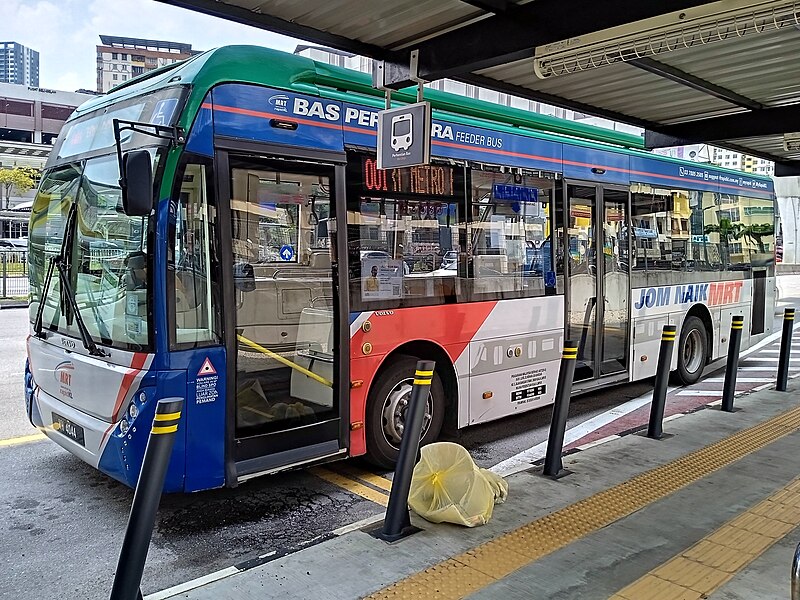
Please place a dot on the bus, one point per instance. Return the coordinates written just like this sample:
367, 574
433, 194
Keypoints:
218, 231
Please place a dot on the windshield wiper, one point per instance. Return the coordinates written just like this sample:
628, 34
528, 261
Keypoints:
67, 301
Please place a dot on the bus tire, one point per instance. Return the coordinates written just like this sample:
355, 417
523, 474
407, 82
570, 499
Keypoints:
692, 351
386, 409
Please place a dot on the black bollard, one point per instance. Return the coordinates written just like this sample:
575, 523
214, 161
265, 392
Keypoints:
786, 350
397, 523
146, 497
655, 426
553, 467
735, 341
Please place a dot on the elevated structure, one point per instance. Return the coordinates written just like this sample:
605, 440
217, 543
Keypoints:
686, 71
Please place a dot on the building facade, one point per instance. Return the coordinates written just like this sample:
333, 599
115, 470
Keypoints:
18, 64
742, 162
121, 58
30, 120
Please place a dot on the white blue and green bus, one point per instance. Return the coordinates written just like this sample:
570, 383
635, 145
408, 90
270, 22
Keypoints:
218, 231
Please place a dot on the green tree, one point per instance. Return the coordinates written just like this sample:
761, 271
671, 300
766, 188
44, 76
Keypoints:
21, 178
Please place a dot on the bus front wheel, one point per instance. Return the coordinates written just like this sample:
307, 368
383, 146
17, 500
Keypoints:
387, 407
692, 351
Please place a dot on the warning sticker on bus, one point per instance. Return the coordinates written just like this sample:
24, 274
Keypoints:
206, 385
206, 369
528, 385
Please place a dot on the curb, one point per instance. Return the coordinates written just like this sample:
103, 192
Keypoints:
13, 305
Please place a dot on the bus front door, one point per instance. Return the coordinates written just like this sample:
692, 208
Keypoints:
284, 410
599, 283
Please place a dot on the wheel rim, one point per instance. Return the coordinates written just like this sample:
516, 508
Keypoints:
393, 413
693, 351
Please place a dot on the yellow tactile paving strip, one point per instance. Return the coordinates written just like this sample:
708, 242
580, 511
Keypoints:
477, 568
702, 569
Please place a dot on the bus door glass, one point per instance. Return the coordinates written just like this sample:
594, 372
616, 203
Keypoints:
599, 287
283, 296
616, 283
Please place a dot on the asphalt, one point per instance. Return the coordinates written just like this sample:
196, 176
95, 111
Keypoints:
598, 565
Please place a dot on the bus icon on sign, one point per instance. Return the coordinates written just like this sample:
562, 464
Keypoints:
402, 136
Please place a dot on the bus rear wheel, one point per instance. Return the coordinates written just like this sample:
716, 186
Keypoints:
692, 351
387, 406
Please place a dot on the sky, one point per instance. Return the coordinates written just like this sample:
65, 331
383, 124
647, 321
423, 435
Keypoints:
66, 33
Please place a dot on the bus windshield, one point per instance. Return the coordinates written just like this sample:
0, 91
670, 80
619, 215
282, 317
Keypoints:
107, 257
95, 131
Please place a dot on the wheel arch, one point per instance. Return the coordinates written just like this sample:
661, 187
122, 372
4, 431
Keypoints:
445, 369
701, 312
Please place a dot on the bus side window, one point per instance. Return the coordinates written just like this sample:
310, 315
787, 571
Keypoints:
190, 271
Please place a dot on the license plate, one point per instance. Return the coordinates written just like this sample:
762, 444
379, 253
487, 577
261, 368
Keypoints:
68, 428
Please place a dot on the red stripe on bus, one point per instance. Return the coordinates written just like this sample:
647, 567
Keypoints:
139, 358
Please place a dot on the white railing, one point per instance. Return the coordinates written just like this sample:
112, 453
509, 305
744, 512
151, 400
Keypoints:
13, 274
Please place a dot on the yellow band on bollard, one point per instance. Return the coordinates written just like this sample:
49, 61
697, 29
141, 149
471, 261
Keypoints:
668, 337
423, 374
569, 356
168, 416
422, 381
736, 327
167, 429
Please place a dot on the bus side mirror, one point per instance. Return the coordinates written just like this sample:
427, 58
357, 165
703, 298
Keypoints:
244, 278
137, 183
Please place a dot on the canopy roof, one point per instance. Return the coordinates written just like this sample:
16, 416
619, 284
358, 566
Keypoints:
687, 71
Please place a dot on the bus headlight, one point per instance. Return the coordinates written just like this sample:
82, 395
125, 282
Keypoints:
123, 426
133, 412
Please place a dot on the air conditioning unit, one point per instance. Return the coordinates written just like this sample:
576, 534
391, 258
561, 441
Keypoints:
791, 142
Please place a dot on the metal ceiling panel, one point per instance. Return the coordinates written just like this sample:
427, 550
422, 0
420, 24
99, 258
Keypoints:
621, 88
755, 65
384, 24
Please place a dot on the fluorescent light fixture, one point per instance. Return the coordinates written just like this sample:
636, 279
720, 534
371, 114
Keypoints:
791, 142
705, 24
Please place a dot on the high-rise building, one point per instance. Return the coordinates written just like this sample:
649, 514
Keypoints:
18, 64
742, 162
122, 58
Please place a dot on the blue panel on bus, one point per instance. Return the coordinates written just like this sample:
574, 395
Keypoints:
452, 140
698, 176
265, 115
595, 165
201, 136
206, 416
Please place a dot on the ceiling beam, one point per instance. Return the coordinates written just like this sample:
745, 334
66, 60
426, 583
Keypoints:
523, 92
787, 168
696, 83
492, 6
515, 34
648, 126
755, 123
259, 20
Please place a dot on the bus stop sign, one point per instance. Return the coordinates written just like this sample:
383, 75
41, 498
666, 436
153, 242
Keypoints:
404, 136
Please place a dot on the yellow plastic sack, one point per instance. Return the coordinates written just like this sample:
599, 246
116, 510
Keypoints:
447, 486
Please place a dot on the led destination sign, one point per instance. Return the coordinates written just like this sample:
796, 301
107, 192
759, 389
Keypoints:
424, 180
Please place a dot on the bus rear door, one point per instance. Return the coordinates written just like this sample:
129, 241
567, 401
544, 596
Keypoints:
599, 279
